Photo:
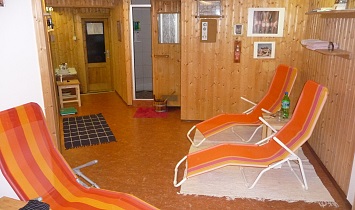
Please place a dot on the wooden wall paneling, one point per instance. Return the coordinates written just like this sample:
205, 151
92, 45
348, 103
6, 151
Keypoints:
82, 3
340, 95
211, 82
333, 139
63, 47
115, 23
351, 4
48, 83
127, 48
127, 52
167, 5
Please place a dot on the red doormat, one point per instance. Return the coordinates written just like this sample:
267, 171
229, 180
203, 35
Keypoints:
149, 112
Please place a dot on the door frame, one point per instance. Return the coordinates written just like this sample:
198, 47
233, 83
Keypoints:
82, 64
132, 45
107, 38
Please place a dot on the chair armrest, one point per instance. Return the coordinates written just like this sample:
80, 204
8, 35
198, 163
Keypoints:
250, 109
267, 124
275, 138
247, 100
266, 111
265, 140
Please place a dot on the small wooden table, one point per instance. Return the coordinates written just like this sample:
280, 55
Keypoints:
69, 84
10, 203
274, 122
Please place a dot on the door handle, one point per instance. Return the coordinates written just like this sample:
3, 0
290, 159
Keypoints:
161, 56
107, 53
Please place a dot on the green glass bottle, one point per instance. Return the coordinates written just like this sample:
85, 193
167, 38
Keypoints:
285, 106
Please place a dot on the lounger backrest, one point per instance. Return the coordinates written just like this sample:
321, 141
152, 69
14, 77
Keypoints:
282, 82
29, 160
34, 167
294, 134
304, 118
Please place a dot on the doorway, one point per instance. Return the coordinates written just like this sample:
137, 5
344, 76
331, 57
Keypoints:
97, 54
142, 52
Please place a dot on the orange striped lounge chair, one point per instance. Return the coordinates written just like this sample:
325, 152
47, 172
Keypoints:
35, 169
279, 148
282, 82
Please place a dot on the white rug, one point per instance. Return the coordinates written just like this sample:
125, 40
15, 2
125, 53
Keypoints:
276, 184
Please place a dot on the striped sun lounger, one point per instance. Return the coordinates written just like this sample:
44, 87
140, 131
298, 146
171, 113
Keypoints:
282, 82
34, 167
279, 148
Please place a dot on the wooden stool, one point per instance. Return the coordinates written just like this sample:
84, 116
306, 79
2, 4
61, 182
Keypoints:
69, 84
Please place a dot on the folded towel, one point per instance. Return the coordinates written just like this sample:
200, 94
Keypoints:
308, 41
316, 44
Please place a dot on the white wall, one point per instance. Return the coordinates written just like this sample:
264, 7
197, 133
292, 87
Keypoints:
351, 191
20, 80
143, 50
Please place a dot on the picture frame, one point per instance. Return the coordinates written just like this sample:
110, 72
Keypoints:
238, 29
266, 22
209, 8
340, 4
264, 50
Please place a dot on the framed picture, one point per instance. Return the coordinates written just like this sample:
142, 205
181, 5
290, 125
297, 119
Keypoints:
264, 50
266, 22
209, 8
340, 4
238, 29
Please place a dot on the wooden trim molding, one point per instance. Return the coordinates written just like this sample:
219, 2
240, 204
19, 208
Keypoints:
45, 64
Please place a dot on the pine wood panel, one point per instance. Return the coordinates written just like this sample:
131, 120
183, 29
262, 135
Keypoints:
81, 3
211, 82
51, 109
334, 137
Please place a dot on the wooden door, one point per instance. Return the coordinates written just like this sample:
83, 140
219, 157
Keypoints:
165, 56
97, 53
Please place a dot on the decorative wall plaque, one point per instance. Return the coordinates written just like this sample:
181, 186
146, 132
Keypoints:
209, 8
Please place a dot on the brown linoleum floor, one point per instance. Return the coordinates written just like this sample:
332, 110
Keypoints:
142, 160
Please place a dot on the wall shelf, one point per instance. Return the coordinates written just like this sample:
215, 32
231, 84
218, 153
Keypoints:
336, 52
347, 13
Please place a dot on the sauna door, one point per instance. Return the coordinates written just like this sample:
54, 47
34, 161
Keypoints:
97, 53
166, 50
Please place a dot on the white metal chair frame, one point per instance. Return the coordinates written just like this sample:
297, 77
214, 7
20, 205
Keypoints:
80, 174
248, 111
292, 157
